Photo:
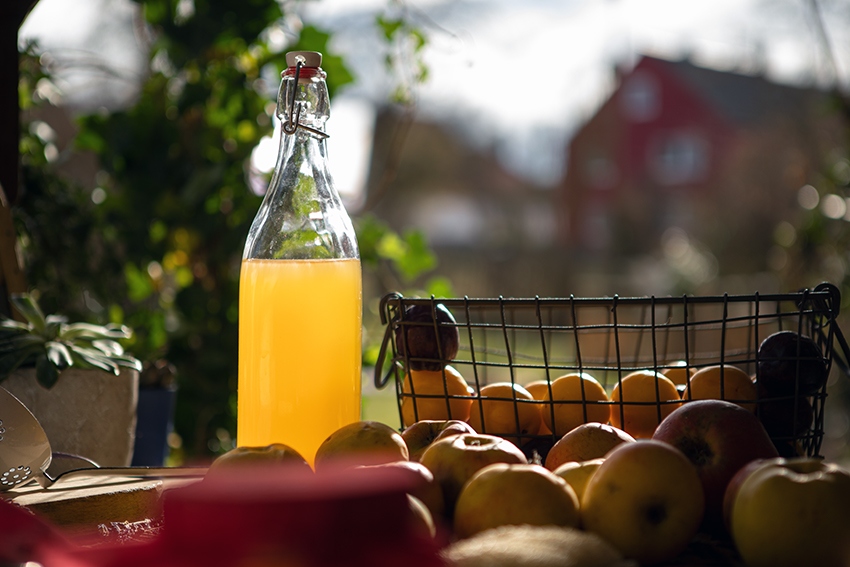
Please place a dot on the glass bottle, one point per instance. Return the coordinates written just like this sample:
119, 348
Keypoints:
300, 286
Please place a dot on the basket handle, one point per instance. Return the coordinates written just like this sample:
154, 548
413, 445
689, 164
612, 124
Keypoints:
834, 306
381, 380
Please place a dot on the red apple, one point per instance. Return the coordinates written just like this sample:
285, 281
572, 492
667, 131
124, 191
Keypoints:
421, 434
793, 513
455, 459
733, 487
719, 438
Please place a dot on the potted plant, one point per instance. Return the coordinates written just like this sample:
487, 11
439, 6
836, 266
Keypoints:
75, 378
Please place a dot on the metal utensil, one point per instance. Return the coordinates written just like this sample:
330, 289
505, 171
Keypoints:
25, 452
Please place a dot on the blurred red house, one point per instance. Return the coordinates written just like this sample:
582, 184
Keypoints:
718, 155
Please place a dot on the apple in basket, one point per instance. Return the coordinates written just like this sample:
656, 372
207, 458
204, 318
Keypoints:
427, 338
791, 513
791, 364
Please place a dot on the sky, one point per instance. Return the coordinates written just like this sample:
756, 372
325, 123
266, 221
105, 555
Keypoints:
516, 76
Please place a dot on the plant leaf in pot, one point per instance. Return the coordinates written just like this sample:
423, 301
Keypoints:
51, 344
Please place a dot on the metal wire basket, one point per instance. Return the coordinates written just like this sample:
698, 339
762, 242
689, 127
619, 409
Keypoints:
519, 340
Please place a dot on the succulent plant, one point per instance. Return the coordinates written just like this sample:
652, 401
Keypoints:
51, 344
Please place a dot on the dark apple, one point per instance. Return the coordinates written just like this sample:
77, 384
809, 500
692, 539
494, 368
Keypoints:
427, 337
789, 364
719, 438
784, 417
421, 434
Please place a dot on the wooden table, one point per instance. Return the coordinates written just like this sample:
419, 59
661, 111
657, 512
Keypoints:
121, 506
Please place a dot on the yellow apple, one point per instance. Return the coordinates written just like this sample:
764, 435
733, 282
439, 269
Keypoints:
793, 513
588, 441
361, 443
578, 473
504, 494
455, 459
646, 499
276, 454
419, 436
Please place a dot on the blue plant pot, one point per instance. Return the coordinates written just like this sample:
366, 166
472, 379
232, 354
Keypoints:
155, 420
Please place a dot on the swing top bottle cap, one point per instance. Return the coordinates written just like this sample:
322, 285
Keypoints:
309, 58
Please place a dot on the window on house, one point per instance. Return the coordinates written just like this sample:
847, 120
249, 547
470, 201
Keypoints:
679, 158
640, 97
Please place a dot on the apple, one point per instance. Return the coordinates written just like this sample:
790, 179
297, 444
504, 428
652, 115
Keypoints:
361, 443
427, 338
719, 438
455, 459
276, 454
646, 499
505, 494
419, 435
578, 473
587, 441
733, 487
784, 417
421, 516
782, 355
425, 486
793, 513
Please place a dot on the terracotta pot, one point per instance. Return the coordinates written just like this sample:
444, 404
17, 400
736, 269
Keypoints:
90, 413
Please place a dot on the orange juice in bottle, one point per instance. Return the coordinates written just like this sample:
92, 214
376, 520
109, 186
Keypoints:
300, 287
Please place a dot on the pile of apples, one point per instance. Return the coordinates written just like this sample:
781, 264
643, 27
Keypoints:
709, 466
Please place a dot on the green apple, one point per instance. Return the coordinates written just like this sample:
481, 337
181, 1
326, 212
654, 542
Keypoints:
793, 513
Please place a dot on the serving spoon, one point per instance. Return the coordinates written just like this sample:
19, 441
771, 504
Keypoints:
25, 453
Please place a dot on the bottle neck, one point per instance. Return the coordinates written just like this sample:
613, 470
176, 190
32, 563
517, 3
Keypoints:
303, 101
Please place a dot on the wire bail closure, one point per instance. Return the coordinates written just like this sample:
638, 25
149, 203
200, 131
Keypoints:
294, 122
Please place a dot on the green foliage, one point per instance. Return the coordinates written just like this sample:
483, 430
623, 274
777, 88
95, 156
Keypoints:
157, 245
51, 344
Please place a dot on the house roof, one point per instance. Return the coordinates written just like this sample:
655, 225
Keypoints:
743, 99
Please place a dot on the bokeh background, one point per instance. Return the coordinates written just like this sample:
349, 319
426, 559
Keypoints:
483, 148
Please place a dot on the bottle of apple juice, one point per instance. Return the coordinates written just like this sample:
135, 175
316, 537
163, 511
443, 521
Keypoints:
300, 287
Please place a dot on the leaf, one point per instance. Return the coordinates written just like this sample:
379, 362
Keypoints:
53, 327
46, 372
88, 331
14, 360
419, 257
12, 326
89, 357
28, 307
109, 348
390, 27
59, 355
